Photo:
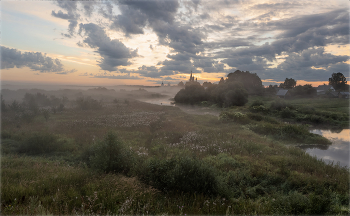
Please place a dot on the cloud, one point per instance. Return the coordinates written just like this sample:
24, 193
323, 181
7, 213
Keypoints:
108, 76
113, 52
36, 61
62, 15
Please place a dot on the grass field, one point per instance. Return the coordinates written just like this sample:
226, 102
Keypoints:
138, 158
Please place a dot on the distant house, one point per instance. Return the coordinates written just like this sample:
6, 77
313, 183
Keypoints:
344, 95
333, 94
323, 89
283, 93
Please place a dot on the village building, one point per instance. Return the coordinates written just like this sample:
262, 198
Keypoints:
283, 93
323, 89
192, 78
344, 95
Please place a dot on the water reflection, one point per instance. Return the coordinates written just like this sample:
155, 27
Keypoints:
337, 152
190, 109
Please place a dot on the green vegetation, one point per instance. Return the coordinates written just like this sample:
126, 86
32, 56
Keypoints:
138, 158
320, 112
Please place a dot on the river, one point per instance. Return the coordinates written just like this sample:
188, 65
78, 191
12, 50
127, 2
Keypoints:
337, 152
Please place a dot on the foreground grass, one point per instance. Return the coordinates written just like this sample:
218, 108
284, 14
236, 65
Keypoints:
254, 174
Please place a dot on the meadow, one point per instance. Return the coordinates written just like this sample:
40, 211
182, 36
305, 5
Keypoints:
130, 157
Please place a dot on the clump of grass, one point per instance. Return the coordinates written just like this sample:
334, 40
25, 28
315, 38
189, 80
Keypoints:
293, 133
235, 116
40, 143
181, 174
110, 155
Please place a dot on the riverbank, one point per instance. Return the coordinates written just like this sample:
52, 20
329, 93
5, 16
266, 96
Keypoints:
250, 173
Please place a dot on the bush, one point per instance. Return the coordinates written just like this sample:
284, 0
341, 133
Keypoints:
181, 175
88, 103
235, 116
260, 108
110, 155
287, 113
257, 103
40, 143
236, 97
255, 117
278, 105
192, 93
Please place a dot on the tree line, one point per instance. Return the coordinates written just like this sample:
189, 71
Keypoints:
235, 89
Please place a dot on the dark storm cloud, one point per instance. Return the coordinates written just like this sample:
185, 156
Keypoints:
295, 26
247, 63
113, 52
36, 61
309, 65
309, 58
136, 14
314, 34
182, 38
131, 21
155, 10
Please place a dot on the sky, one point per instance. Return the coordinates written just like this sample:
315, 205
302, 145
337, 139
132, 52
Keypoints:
147, 42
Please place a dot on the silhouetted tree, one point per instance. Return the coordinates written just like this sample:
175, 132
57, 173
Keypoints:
338, 81
181, 84
304, 91
271, 90
3, 105
192, 93
222, 81
250, 81
207, 84
289, 83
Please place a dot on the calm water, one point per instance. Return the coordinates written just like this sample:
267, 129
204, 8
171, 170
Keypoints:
337, 152
196, 110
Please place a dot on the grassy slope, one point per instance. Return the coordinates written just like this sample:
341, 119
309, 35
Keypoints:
270, 173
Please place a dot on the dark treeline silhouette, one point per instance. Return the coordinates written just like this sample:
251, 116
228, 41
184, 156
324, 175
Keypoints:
232, 91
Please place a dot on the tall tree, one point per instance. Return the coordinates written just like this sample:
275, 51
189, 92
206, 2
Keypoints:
338, 81
250, 81
289, 83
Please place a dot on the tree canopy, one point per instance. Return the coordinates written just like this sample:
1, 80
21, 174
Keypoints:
338, 81
250, 81
289, 83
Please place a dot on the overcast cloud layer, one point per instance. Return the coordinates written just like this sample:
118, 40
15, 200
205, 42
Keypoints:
275, 39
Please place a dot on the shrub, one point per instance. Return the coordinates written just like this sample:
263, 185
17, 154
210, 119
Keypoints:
260, 108
255, 117
40, 143
278, 105
235, 116
88, 103
287, 113
110, 155
257, 103
236, 97
181, 175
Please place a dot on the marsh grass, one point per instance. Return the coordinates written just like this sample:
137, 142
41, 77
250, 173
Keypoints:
251, 173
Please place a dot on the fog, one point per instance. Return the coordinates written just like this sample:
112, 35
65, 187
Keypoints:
16, 91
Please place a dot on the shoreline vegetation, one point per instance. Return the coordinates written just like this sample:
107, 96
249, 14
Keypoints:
80, 155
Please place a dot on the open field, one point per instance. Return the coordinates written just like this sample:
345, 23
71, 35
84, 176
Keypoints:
172, 163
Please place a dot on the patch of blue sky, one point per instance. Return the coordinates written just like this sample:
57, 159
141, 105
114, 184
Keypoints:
29, 32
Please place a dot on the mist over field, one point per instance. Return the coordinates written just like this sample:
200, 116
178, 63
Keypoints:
150, 107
